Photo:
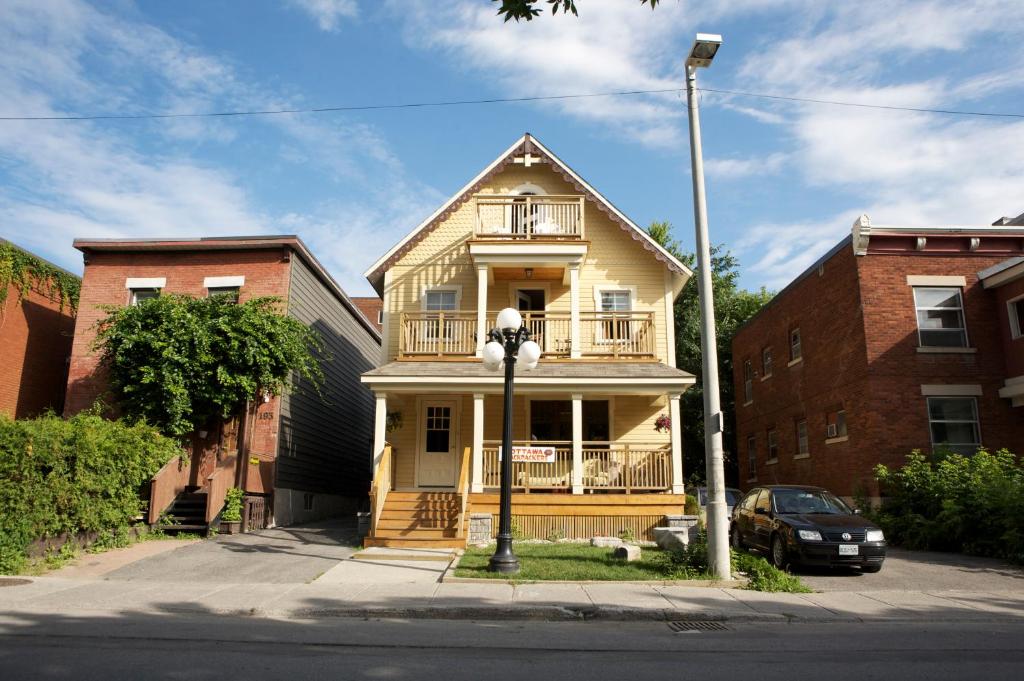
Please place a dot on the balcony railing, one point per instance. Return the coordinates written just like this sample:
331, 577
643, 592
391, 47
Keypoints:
619, 335
607, 466
529, 217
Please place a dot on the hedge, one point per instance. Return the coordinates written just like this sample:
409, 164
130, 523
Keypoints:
83, 474
950, 502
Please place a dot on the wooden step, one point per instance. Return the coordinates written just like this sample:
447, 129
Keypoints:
423, 496
420, 533
407, 524
409, 543
421, 505
418, 514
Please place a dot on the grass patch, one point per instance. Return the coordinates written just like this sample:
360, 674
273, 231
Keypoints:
764, 576
565, 562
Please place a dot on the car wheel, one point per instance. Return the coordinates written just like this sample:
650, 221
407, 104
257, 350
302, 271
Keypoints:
870, 568
778, 555
735, 539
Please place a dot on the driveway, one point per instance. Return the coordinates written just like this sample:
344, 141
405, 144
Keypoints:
920, 571
285, 555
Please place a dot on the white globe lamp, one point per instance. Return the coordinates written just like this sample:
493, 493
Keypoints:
529, 354
493, 355
509, 319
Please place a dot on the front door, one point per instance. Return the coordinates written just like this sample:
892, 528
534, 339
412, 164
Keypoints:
438, 446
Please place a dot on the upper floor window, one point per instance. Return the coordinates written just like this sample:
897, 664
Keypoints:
773, 444
1016, 312
766, 362
615, 301
940, 317
230, 291
752, 458
835, 424
748, 382
440, 300
140, 294
953, 422
380, 316
796, 350
802, 446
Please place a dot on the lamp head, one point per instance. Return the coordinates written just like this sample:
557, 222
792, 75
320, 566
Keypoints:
509, 319
493, 355
704, 49
529, 354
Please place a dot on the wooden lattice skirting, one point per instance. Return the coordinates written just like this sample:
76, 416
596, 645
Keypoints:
583, 526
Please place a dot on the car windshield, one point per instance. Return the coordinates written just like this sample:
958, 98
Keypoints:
808, 501
731, 497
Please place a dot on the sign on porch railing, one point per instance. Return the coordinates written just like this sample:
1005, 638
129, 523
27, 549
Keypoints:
531, 454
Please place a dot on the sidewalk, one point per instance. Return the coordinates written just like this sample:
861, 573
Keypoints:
551, 601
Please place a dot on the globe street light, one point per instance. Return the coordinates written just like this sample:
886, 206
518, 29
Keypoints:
701, 54
508, 342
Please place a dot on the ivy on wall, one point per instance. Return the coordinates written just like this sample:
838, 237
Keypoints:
179, 362
26, 272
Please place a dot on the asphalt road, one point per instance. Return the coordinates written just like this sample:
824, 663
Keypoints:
200, 647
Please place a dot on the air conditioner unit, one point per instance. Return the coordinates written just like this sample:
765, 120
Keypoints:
832, 431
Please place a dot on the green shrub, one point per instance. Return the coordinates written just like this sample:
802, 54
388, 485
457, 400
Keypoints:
80, 474
763, 576
950, 502
691, 506
232, 512
688, 562
691, 562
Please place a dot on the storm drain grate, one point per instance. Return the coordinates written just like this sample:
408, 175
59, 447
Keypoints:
696, 625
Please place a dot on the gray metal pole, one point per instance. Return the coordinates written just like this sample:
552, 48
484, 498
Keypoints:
718, 524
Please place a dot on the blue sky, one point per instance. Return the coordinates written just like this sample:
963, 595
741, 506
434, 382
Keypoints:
785, 180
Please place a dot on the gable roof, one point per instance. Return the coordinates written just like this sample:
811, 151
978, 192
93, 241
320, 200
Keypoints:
527, 144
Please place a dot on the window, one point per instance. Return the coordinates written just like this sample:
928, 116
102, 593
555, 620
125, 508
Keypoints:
231, 291
835, 424
748, 501
1015, 308
795, 350
751, 458
940, 317
773, 444
438, 430
380, 316
766, 363
748, 382
764, 502
440, 299
802, 447
141, 294
953, 422
616, 301
307, 502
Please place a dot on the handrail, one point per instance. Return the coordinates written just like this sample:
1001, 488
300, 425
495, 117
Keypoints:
217, 485
464, 486
379, 488
165, 486
529, 216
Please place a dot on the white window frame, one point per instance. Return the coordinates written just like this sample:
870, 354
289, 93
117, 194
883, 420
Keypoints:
794, 358
772, 434
767, 368
748, 381
1016, 320
431, 289
133, 294
976, 421
601, 337
224, 282
803, 443
963, 316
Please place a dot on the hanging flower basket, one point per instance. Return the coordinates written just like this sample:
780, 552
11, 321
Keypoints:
663, 423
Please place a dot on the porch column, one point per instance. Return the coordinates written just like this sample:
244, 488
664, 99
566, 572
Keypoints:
677, 444
577, 444
478, 443
380, 422
481, 309
574, 311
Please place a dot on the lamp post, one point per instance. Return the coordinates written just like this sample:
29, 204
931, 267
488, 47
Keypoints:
701, 54
508, 342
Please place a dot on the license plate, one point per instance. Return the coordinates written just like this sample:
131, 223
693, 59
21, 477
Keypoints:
849, 550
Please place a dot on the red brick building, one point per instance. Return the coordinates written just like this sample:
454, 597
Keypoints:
372, 308
890, 342
309, 455
36, 329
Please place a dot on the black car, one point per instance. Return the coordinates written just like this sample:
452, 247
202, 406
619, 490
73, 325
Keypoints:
806, 526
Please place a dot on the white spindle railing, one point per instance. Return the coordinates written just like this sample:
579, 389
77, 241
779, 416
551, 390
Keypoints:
500, 216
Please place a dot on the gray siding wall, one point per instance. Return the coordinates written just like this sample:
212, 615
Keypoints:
325, 443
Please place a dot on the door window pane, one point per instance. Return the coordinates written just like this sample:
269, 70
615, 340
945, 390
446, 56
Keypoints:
940, 317
438, 429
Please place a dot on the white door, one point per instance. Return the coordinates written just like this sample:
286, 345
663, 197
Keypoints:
439, 434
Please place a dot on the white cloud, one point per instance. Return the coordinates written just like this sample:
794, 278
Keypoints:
736, 168
328, 13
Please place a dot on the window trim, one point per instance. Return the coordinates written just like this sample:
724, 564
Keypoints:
767, 369
133, 292
802, 453
963, 317
601, 288
1016, 320
793, 359
447, 287
145, 282
976, 421
224, 282
748, 381
769, 432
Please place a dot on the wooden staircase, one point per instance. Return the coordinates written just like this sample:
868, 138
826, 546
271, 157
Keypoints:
187, 513
419, 519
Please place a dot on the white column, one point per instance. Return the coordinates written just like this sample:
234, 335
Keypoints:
574, 311
481, 309
677, 445
380, 422
478, 444
577, 444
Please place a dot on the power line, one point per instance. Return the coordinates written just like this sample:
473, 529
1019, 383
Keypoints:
497, 100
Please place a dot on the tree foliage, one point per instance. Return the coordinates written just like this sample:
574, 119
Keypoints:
527, 10
733, 307
26, 271
178, 362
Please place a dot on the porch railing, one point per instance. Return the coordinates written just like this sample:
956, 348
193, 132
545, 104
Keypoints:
523, 217
618, 335
379, 488
217, 485
609, 466
166, 485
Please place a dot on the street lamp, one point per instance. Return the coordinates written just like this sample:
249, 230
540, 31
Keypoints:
701, 54
508, 342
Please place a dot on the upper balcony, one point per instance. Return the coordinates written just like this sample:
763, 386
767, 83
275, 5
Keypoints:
529, 217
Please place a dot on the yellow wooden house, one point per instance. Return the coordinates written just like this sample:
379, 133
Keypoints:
597, 294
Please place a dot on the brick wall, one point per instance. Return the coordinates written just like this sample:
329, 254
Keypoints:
35, 343
1013, 348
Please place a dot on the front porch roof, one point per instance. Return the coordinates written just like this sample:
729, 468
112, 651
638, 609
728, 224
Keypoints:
623, 378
